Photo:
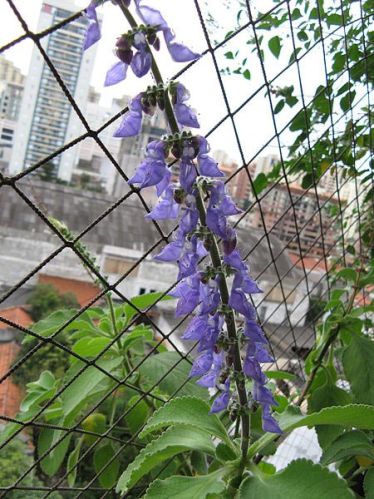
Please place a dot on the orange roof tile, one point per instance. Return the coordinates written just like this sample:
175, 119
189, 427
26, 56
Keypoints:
83, 291
10, 394
15, 314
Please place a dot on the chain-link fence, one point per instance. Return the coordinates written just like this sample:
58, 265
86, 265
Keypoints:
115, 359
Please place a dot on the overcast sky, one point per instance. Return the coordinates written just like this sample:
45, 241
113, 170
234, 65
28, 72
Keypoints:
254, 121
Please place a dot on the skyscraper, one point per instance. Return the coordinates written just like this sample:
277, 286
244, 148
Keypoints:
47, 120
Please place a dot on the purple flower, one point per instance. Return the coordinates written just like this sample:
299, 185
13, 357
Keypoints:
142, 60
152, 17
188, 292
254, 332
241, 279
219, 199
207, 165
188, 172
184, 114
253, 370
209, 380
238, 301
209, 296
213, 328
166, 208
116, 74
196, 328
262, 395
93, 32
132, 121
268, 422
190, 216
221, 402
153, 170
202, 364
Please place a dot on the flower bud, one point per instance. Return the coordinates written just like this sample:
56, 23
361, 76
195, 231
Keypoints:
123, 49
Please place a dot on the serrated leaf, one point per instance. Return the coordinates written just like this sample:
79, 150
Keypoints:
358, 364
102, 456
301, 478
186, 411
170, 443
350, 416
275, 46
185, 487
369, 484
171, 372
352, 443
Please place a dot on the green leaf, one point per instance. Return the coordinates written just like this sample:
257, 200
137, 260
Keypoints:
354, 415
302, 36
225, 453
352, 443
102, 456
339, 62
247, 74
334, 19
91, 347
301, 478
280, 105
307, 180
138, 333
369, 484
143, 301
281, 375
347, 274
96, 423
358, 364
48, 326
138, 414
171, 372
229, 55
187, 411
259, 183
186, 487
345, 102
76, 395
56, 454
71, 464
275, 46
327, 396
170, 443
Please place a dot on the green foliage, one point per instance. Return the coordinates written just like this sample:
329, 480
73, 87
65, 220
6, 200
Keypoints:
358, 362
185, 487
45, 299
351, 443
15, 460
301, 478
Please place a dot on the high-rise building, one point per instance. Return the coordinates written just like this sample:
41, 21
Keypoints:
94, 168
47, 120
11, 90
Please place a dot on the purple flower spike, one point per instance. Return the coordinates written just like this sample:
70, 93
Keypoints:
252, 369
263, 395
132, 122
221, 402
184, 114
268, 422
93, 34
150, 16
116, 74
196, 328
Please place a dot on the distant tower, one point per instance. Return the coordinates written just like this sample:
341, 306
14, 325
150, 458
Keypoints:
47, 120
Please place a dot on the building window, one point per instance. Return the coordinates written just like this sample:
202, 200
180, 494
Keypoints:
115, 265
